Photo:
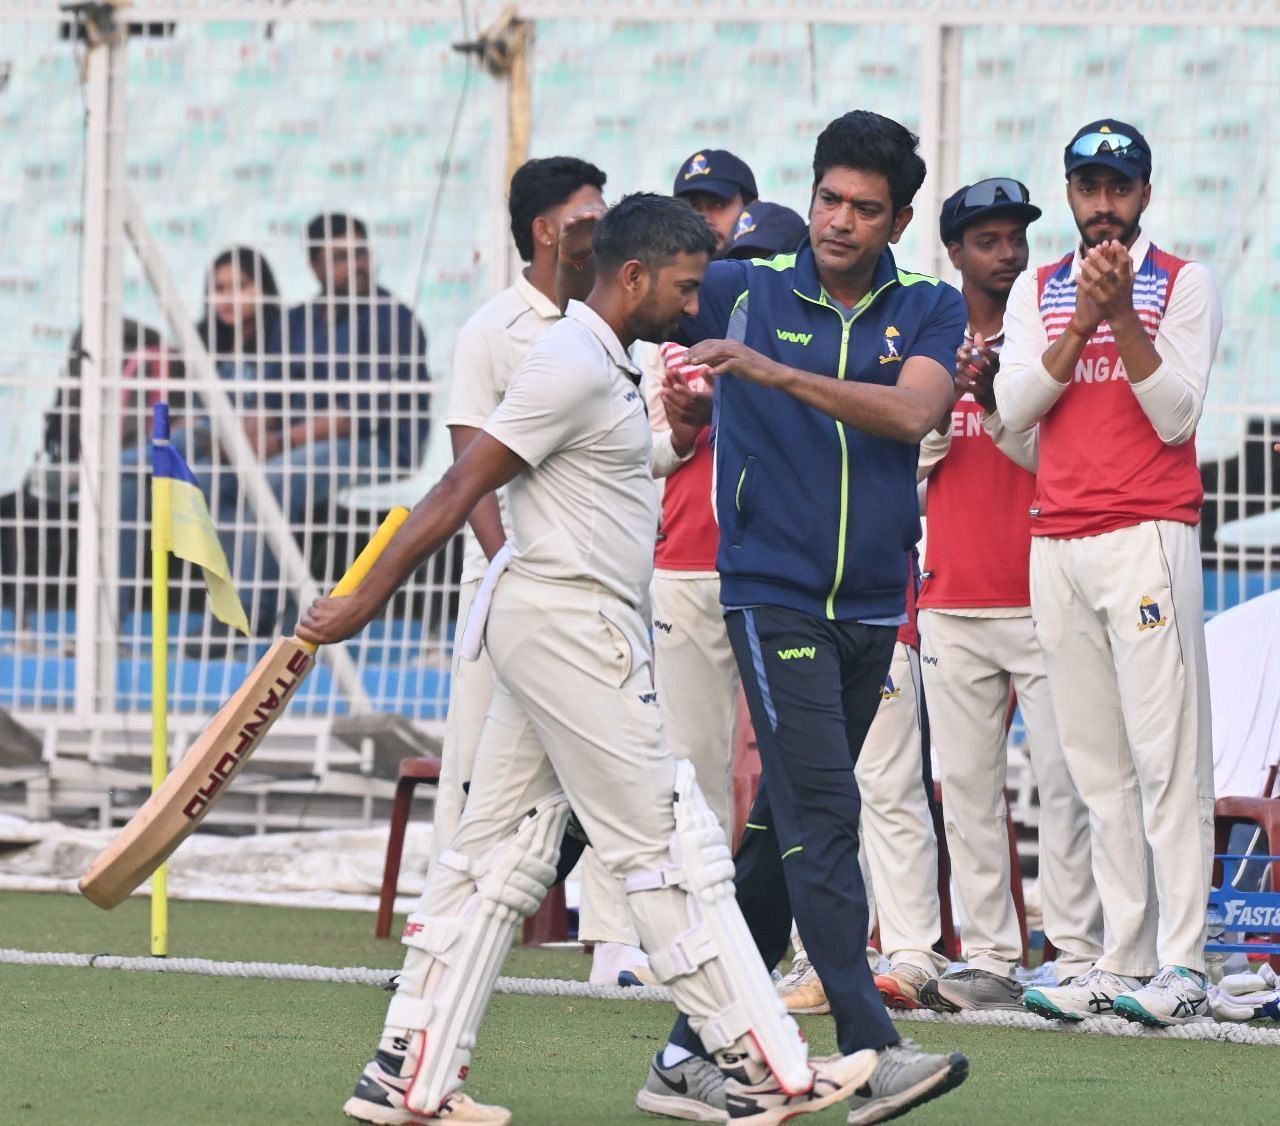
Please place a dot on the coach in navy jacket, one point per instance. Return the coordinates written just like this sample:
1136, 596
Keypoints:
817, 514
830, 365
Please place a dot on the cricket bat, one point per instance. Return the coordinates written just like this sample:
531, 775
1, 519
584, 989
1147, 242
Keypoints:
172, 813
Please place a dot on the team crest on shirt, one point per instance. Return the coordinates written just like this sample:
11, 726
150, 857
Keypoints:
746, 224
891, 355
697, 166
888, 690
1149, 616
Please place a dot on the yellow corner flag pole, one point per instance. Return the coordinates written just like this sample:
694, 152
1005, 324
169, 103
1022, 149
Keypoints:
180, 523
159, 677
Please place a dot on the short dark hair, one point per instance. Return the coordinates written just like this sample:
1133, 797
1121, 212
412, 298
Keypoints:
538, 186
331, 225
651, 229
870, 142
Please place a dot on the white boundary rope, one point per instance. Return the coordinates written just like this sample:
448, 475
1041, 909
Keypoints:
548, 987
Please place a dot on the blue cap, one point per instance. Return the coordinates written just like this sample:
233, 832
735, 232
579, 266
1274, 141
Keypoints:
1111, 143
765, 229
999, 195
718, 172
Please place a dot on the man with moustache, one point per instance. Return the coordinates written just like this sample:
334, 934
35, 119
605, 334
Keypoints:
1109, 350
978, 641
574, 717
830, 364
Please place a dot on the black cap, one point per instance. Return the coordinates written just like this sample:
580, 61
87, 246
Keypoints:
1111, 143
1000, 195
718, 172
765, 229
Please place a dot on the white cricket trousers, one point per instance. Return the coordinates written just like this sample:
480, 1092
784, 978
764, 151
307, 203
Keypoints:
1120, 618
574, 711
968, 665
697, 682
470, 691
899, 853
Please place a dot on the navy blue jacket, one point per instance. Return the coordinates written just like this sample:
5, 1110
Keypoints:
373, 339
815, 515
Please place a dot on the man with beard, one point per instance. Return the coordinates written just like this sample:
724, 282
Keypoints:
574, 717
977, 639
372, 426
830, 365
491, 346
1109, 350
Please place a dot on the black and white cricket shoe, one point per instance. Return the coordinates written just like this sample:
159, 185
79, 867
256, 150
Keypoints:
766, 1103
379, 1098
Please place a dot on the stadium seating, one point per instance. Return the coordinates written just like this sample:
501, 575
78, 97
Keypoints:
237, 135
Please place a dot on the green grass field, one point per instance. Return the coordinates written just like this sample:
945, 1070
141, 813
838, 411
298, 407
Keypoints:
105, 1047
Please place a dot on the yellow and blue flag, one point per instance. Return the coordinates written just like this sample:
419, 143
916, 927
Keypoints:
180, 523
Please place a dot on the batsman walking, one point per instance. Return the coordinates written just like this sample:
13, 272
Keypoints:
574, 717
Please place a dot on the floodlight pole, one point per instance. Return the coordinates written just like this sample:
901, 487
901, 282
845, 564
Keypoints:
102, 330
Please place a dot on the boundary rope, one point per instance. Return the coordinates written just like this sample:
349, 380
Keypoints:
1206, 1030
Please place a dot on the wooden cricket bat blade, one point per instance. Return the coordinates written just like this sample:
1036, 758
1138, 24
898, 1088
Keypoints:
173, 811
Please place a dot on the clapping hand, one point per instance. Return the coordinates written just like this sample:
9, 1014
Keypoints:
1106, 280
976, 367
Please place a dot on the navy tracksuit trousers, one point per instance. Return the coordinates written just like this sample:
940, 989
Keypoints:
812, 687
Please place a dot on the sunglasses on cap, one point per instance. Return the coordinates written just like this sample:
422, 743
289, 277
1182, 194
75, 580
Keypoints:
990, 192
1109, 144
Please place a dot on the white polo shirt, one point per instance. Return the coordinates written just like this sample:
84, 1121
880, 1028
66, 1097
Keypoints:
586, 508
489, 351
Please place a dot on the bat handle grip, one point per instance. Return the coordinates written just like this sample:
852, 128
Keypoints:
365, 560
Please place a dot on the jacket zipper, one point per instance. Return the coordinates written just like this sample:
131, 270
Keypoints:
846, 323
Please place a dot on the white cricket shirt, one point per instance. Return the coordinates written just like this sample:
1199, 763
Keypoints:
489, 351
586, 508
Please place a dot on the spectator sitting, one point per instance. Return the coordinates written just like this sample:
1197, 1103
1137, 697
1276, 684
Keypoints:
38, 522
242, 313
352, 333
353, 320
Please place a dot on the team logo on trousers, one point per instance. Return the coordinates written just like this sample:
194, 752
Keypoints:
888, 690
1149, 616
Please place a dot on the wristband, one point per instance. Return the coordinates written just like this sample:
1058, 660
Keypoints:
1076, 330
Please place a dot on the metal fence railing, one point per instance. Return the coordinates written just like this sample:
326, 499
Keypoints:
234, 125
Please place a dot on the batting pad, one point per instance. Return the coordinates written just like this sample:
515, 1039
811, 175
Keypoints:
452, 963
717, 945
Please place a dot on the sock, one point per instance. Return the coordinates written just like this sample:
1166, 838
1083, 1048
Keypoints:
673, 1054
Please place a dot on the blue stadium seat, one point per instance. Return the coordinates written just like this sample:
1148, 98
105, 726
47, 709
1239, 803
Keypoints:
1237, 587
37, 681
419, 692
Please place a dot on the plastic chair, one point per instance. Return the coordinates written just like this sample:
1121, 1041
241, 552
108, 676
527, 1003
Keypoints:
1261, 812
549, 924
425, 768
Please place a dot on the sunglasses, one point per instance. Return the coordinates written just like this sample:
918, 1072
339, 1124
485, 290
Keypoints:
1108, 144
985, 193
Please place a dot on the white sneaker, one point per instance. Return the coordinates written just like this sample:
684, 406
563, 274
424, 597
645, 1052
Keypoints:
1175, 995
1088, 995
799, 974
379, 1098
766, 1103
802, 990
